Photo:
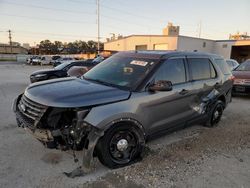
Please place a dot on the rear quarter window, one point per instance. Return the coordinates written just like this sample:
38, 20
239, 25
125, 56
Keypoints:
223, 66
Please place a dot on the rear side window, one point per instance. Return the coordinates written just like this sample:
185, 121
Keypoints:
201, 68
223, 66
172, 70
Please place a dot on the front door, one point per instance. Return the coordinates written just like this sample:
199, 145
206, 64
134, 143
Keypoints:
166, 109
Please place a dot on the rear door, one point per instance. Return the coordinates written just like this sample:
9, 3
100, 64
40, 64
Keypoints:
205, 82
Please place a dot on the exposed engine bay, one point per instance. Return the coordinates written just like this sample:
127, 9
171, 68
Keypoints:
67, 131
59, 128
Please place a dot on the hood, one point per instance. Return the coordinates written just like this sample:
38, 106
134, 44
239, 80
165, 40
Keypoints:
241, 74
44, 71
73, 92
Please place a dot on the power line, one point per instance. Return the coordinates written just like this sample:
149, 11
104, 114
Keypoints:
52, 34
78, 1
47, 8
46, 19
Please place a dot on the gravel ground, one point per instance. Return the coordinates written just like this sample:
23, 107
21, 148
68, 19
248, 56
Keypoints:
193, 157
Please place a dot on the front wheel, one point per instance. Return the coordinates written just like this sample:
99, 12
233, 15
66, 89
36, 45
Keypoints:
120, 146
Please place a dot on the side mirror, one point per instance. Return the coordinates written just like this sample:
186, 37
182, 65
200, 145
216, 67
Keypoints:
161, 85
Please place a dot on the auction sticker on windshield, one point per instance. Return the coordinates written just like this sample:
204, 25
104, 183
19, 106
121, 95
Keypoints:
140, 63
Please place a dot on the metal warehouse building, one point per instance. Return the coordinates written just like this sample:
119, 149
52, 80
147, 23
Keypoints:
171, 40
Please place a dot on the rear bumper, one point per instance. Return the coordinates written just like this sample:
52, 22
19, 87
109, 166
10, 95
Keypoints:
241, 89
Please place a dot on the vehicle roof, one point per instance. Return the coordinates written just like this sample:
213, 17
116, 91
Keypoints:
158, 54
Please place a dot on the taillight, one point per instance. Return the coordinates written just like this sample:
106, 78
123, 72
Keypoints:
232, 78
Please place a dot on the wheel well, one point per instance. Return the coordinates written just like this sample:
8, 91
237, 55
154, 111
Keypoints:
133, 123
223, 99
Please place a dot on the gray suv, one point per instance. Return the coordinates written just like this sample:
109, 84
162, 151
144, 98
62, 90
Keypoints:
124, 101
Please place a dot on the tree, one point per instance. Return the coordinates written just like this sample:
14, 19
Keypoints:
45, 47
78, 46
57, 47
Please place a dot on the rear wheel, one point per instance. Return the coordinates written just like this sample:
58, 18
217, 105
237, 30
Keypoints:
119, 146
216, 114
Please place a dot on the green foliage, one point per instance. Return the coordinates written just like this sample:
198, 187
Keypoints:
76, 47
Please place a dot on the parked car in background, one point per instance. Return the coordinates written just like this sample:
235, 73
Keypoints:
36, 60
63, 60
232, 63
54, 58
242, 78
59, 71
78, 71
29, 60
124, 101
45, 60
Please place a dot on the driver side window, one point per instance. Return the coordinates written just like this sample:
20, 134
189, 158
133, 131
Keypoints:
172, 70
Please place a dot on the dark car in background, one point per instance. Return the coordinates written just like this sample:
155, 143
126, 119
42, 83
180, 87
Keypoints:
242, 78
121, 103
62, 60
54, 58
59, 71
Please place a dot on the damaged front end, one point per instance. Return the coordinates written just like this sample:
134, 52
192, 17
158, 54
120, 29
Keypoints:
60, 128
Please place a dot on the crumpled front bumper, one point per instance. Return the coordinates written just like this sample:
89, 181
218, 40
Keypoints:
47, 136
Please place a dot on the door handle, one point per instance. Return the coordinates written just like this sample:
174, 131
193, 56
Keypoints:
183, 92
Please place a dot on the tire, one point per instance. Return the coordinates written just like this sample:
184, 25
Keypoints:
215, 114
107, 147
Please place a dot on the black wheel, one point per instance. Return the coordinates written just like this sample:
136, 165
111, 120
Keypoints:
119, 146
216, 114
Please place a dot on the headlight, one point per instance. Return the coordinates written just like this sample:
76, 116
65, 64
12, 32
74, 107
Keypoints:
40, 75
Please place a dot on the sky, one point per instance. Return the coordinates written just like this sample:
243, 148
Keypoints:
68, 20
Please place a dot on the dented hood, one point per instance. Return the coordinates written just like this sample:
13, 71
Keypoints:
73, 92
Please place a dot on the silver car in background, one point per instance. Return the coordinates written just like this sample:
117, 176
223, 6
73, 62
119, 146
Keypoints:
232, 64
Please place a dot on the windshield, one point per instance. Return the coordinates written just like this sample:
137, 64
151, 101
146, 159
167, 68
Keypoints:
244, 66
61, 66
121, 71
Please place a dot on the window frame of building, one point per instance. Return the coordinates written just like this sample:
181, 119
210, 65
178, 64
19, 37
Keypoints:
142, 46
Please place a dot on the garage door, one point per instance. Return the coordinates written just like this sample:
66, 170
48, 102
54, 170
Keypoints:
240, 53
161, 47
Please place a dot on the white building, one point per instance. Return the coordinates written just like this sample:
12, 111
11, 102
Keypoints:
171, 40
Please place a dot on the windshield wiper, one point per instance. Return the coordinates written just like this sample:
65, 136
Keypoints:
100, 81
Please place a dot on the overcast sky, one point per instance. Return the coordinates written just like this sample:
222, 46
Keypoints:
68, 20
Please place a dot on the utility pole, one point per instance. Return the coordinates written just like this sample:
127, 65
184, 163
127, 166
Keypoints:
10, 40
98, 26
200, 29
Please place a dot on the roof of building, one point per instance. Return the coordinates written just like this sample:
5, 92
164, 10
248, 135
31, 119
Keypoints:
129, 36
